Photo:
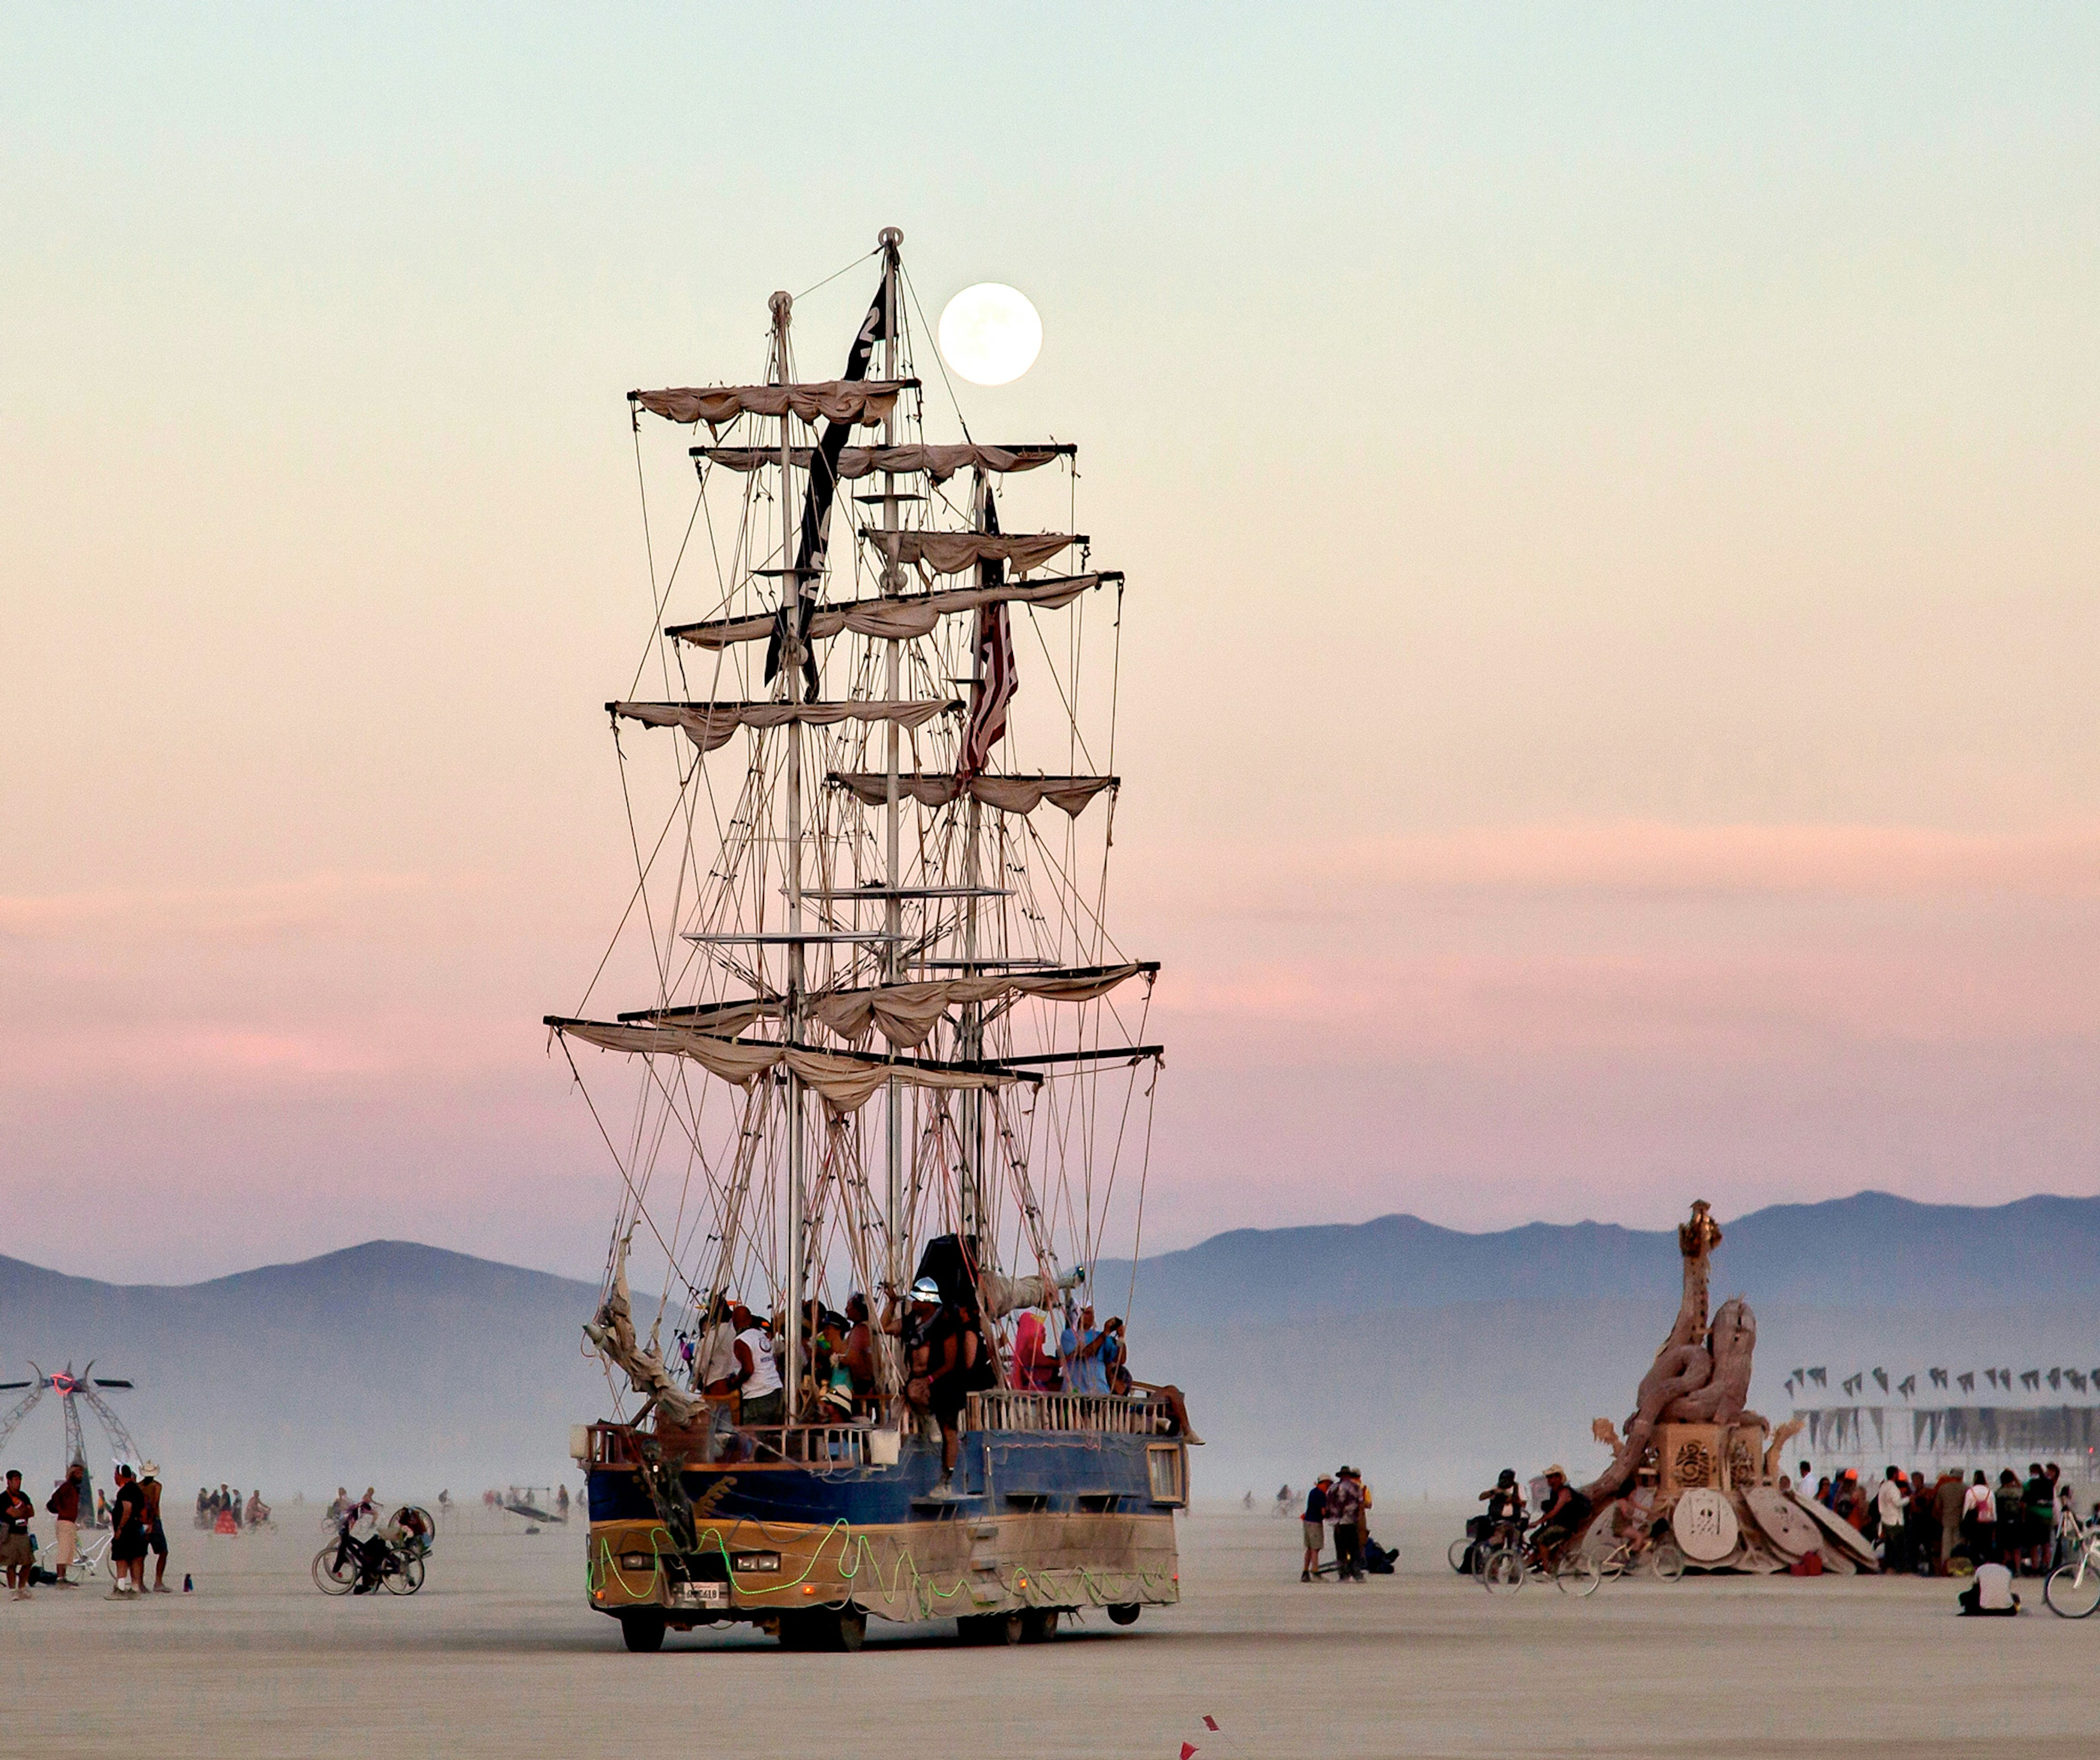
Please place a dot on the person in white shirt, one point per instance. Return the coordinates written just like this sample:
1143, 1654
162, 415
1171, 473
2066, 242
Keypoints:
1889, 1501
1992, 1593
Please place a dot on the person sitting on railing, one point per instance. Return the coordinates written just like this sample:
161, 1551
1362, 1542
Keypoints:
1115, 1352
857, 1353
1080, 1348
1035, 1364
714, 1350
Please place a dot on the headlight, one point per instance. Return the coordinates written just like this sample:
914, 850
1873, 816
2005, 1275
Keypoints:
636, 1561
756, 1561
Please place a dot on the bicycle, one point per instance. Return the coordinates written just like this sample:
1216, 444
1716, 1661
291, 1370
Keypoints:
1665, 1561
2072, 1590
337, 1566
1509, 1567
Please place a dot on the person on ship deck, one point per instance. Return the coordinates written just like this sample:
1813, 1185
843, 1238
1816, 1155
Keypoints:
941, 1350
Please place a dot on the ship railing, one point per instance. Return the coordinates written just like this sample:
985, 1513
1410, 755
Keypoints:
1115, 1414
804, 1444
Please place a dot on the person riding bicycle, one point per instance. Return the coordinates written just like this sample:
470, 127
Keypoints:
1505, 1504
1560, 1518
372, 1552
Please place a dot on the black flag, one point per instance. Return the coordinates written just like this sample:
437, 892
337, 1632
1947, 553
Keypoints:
817, 502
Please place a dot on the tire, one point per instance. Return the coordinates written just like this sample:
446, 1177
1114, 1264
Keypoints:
642, 1633
1460, 1554
1124, 1613
1038, 1626
330, 1577
1504, 1571
852, 1629
403, 1576
997, 1628
1666, 1562
2073, 1591
1577, 1575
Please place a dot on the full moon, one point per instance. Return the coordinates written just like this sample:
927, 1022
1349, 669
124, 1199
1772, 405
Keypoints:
991, 334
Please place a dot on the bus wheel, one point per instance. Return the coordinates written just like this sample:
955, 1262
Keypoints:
643, 1632
1124, 1613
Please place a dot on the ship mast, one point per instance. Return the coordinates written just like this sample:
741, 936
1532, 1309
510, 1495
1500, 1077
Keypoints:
790, 1014
892, 920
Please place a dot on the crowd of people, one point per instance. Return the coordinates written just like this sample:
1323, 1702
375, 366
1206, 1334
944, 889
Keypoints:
136, 1532
225, 1511
1935, 1524
948, 1351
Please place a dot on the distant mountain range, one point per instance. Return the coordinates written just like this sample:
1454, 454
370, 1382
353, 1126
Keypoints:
1427, 1355
1872, 1249
392, 1362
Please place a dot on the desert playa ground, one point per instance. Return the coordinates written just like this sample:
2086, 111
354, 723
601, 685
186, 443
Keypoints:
498, 1655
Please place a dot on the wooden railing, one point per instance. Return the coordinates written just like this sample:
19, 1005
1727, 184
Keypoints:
1009, 1408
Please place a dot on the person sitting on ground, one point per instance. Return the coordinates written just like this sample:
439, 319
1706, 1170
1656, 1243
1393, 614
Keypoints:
1315, 1525
1990, 1595
1560, 1517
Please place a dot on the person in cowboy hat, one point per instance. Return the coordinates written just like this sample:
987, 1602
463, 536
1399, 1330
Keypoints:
156, 1536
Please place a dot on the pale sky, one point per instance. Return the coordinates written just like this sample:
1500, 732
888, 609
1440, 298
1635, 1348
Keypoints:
1609, 498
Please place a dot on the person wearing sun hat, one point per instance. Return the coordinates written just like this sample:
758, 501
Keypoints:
157, 1535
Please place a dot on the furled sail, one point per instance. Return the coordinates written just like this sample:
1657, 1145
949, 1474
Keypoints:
865, 401
938, 462
727, 1019
846, 1080
1009, 794
902, 619
950, 553
907, 1013
710, 726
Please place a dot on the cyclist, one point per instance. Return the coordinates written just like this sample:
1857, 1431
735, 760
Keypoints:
1561, 1517
1504, 1503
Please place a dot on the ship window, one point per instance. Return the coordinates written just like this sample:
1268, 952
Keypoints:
1166, 1469
1027, 1500
1096, 1503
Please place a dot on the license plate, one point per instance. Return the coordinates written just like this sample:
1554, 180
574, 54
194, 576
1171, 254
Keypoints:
701, 1595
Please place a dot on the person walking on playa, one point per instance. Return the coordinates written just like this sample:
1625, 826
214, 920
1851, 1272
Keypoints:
64, 1505
1315, 1525
17, 1512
